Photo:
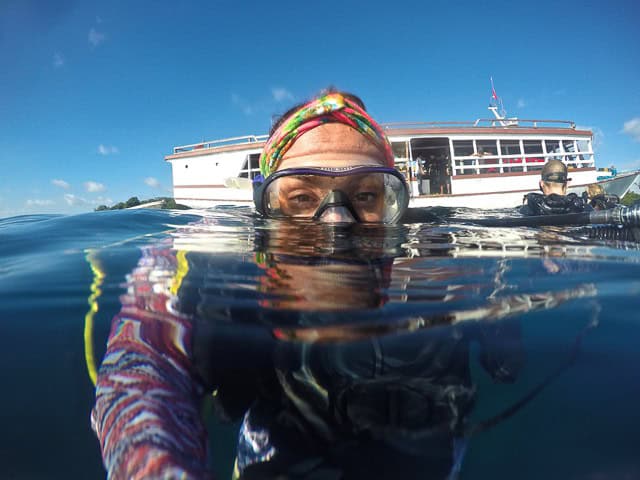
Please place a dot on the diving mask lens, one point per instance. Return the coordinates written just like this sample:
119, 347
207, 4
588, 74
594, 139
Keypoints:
373, 194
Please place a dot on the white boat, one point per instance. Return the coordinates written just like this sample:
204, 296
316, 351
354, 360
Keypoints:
488, 163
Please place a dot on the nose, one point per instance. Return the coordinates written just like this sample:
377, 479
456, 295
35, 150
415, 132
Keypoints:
337, 215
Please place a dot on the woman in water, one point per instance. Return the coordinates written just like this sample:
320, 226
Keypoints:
317, 399
327, 159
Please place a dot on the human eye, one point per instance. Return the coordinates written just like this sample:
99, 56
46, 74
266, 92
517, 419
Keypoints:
300, 199
300, 202
366, 197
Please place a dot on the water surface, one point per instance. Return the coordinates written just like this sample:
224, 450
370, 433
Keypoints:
573, 301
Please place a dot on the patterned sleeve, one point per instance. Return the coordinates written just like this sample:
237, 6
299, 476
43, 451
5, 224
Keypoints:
146, 414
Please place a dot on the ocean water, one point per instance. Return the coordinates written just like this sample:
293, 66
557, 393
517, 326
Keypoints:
550, 315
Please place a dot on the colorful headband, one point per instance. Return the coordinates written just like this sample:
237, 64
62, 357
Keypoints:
332, 107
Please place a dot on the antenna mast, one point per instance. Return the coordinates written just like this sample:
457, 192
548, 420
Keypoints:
497, 108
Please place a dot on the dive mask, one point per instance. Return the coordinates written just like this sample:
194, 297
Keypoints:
371, 194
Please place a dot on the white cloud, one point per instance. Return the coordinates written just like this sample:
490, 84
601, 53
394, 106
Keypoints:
58, 60
521, 103
152, 182
60, 183
96, 38
73, 200
36, 202
92, 186
632, 128
241, 103
281, 94
107, 150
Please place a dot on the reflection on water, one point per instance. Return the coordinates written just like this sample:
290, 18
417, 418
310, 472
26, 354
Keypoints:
418, 351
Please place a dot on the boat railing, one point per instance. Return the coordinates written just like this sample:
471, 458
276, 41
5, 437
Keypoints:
484, 122
245, 139
470, 164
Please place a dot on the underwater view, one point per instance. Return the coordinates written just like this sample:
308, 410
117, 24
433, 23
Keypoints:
434, 349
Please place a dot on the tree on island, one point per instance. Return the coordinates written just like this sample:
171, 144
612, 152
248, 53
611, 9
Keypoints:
132, 202
630, 198
168, 203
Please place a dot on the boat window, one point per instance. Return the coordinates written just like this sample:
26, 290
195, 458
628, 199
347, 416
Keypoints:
533, 151
587, 157
510, 147
570, 147
488, 147
511, 150
243, 170
553, 147
487, 156
583, 145
399, 149
532, 146
463, 148
251, 166
401, 154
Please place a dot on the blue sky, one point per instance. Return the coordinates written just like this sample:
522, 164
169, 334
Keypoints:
93, 95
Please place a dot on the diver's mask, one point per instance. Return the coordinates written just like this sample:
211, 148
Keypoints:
555, 177
368, 194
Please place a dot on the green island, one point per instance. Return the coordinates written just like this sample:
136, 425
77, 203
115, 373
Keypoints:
630, 198
164, 203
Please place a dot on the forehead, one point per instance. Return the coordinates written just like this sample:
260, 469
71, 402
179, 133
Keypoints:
319, 181
332, 145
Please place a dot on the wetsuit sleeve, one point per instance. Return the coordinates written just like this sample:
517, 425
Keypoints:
146, 414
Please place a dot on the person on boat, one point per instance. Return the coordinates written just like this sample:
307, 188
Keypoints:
329, 160
554, 199
423, 176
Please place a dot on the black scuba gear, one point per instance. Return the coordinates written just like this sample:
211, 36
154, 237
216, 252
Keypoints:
553, 204
601, 202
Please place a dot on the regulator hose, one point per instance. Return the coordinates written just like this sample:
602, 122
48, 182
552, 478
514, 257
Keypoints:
619, 215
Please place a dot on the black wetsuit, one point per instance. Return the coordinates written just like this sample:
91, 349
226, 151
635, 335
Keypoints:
385, 407
389, 407
392, 407
601, 202
553, 204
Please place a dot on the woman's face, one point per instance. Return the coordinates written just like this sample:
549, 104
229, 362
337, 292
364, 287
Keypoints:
332, 145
